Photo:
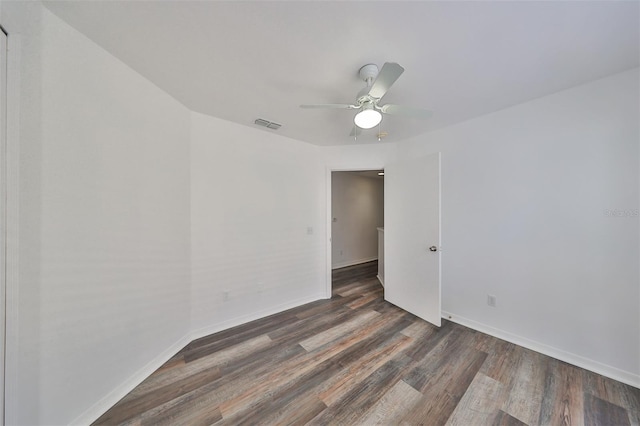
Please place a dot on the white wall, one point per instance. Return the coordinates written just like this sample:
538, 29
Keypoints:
254, 197
104, 222
359, 157
357, 204
524, 201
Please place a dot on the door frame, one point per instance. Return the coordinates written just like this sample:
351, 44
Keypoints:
328, 171
3, 217
9, 206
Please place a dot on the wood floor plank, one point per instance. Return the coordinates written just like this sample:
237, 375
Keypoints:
392, 407
338, 331
358, 288
446, 386
612, 391
186, 415
600, 412
526, 388
200, 351
480, 403
386, 307
420, 329
355, 403
357, 359
313, 325
438, 342
356, 371
219, 359
431, 363
251, 408
502, 361
336, 305
383, 334
504, 419
361, 301
243, 328
563, 400
296, 412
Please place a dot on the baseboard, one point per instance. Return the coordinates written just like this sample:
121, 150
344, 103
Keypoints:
214, 328
380, 279
571, 358
101, 407
353, 262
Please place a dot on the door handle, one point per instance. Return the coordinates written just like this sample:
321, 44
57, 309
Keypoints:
433, 248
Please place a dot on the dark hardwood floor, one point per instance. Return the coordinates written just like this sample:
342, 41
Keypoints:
356, 359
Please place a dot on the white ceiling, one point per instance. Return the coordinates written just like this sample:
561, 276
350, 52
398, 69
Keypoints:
260, 59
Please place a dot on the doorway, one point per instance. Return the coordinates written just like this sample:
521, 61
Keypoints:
357, 210
412, 237
357, 218
344, 255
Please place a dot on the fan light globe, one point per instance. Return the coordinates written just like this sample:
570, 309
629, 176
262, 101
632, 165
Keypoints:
367, 118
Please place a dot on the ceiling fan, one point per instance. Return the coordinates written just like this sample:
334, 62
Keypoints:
367, 100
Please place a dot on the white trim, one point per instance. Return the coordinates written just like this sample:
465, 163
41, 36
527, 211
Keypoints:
577, 360
354, 262
440, 234
328, 276
105, 403
11, 406
233, 322
3, 217
380, 279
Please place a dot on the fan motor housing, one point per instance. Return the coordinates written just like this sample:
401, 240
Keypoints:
369, 71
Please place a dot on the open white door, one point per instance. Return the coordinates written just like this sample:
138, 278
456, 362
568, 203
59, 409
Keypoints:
412, 236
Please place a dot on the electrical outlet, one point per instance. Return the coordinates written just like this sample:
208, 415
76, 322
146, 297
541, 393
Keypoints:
491, 300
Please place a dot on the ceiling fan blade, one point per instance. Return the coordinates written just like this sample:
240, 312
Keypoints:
335, 106
405, 111
355, 132
386, 77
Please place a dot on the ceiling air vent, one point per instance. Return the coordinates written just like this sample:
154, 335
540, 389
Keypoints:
269, 124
